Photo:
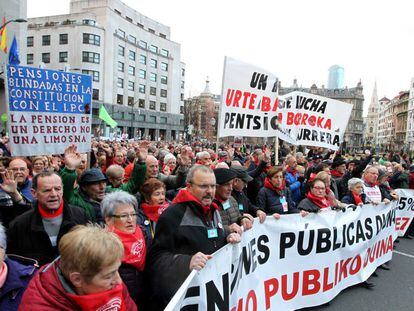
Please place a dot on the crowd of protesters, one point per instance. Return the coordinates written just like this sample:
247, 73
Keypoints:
122, 226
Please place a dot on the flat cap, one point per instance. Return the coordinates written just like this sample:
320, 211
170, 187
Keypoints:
241, 173
91, 176
224, 175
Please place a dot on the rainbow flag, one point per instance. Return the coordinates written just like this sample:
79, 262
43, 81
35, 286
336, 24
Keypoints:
3, 40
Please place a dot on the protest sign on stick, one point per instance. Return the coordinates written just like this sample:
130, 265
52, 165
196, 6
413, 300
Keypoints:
48, 110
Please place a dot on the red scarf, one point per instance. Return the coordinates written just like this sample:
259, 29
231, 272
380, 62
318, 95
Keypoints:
357, 198
134, 247
335, 173
153, 212
269, 185
371, 184
185, 196
46, 214
291, 170
321, 202
311, 177
112, 299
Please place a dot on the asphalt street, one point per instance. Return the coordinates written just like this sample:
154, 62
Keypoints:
394, 289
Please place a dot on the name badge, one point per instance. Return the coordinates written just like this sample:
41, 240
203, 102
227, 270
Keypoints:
212, 233
284, 204
240, 206
226, 205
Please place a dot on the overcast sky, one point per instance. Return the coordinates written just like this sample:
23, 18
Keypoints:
372, 40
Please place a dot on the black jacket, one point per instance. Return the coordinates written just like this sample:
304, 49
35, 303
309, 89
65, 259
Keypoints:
349, 198
245, 205
269, 202
180, 233
27, 236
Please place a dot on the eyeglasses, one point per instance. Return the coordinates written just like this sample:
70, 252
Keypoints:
19, 169
319, 188
204, 187
124, 217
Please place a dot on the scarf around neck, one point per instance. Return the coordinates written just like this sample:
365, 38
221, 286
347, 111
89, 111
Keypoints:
134, 247
357, 198
185, 196
47, 214
321, 202
268, 184
153, 212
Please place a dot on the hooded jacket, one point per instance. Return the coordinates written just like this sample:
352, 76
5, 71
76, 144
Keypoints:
48, 291
181, 232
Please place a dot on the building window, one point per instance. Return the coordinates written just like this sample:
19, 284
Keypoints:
131, 55
141, 88
90, 57
129, 19
132, 39
89, 38
163, 36
46, 58
183, 72
131, 70
130, 101
164, 52
152, 105
182, 84
163, 120
117, 12
131, 85
164, 66
182, 109
163, 93
153, 63
163, 107
95, 94
121, 33
63, 57
153, 90
141, 117
182, 96
120, 82
153, 49
29, 59
46, 40
90, 22
140, 25
164, 79
152, 119
141, 103
121, 66
143, 59
142, 74
93, 73
153, 77
142, 44
63, 38
151, 30
29, 41
121, 50
119, 99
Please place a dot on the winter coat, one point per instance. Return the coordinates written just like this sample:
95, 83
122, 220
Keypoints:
229, 215
20, 271
244, 203
77, 197
294, 185
399, 180
48, 291
349, 198
27, 236
269, 202
257, 172
181, 232
10, 209
174, 181
308, 206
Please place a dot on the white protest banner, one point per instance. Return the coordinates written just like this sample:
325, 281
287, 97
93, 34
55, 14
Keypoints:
293, 262
405, 211
48, 110
251, 107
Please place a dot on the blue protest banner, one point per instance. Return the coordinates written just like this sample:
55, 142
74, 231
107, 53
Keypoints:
48, 110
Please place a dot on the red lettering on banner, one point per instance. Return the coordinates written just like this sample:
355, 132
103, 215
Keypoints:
310, 283
293, 293
326, 285
266, 104
343, 270
355, 269
270, 289
245, 98
251, 296
401, 223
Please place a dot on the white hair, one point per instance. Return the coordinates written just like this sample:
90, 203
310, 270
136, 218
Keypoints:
168, 157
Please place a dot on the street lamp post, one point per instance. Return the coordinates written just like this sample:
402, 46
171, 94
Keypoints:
17, 20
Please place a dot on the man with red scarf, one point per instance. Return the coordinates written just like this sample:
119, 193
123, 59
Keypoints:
36, 233
186, 235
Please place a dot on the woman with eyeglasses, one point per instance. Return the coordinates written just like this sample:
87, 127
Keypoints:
154, 202
119, 209
315, 200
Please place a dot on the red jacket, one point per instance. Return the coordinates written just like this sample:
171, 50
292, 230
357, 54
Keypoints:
46, 292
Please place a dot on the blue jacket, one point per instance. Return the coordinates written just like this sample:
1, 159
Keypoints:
18, 277
294, 186
269, 202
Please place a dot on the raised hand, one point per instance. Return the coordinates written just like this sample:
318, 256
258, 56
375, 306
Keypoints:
72, 157
142, 151
9, 184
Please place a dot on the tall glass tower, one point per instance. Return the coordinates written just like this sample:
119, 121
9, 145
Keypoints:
336, 77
